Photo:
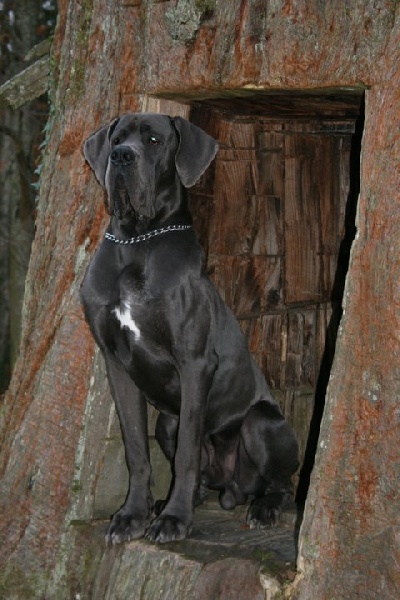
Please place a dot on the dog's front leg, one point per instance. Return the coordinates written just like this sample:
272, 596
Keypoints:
174, 522
132, 519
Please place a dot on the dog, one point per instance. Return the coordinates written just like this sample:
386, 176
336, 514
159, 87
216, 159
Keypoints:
168, 339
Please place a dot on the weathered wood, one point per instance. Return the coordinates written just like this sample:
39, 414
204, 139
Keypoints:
316, 191
330, 105
221, 558
29, 84
268, 252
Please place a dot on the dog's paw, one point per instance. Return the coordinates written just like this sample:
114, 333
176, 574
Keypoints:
125, 527
167, 528
265, 512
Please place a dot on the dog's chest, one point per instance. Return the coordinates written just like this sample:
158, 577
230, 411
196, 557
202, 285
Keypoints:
127, 311
114, 299
124, 313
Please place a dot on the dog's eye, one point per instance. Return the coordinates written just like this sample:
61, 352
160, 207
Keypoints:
115, 141
153, 141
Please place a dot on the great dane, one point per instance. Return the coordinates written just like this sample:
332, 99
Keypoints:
168, 339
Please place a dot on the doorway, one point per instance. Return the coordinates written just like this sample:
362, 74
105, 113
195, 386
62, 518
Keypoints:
276, 216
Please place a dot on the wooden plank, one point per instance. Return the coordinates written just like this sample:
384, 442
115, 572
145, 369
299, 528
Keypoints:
298, 407
344, 150
328, 127
270, 162
271, 348
309, 368
266, 235
202, 207
232, 133
316, 190
244, 222
298, 107
264, 339
271, 170
324, 316
301, 283
295, 326
242, 135
237, 154
303, 206
233, 213
208, 120
299, 352
327, 160
248, 284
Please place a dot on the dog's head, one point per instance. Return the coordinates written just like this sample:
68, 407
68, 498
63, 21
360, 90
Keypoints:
140, 157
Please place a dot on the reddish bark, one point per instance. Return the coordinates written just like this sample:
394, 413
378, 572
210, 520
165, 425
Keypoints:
353, 506
108, 58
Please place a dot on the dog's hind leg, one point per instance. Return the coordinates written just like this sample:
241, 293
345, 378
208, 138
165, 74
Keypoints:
166, 432
268, 457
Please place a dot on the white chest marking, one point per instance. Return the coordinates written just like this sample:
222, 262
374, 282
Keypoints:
124, 316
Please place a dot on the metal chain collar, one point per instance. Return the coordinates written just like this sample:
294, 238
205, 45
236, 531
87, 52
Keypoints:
148, 235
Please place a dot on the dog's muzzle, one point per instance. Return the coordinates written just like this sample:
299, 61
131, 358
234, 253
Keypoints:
121, 159
130, 196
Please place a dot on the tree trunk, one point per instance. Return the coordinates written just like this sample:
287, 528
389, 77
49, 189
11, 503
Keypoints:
108, 57
45, 403
349, 547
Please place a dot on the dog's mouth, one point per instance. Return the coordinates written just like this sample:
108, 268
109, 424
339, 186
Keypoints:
120, 200
130, 197
120, 185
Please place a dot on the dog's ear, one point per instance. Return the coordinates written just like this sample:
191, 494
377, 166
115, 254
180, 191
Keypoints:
96, 150
195, 152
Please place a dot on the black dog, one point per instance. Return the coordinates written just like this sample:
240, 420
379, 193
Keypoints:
168, 339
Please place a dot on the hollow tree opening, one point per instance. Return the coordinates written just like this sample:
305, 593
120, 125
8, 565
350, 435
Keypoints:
276, 217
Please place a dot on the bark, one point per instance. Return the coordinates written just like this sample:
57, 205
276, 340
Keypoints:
45, 404
109, 58
20, 137
349, 546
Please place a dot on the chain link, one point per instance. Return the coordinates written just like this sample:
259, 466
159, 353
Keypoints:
146, 236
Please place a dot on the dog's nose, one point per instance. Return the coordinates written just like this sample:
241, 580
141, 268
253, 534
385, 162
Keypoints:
122, 156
